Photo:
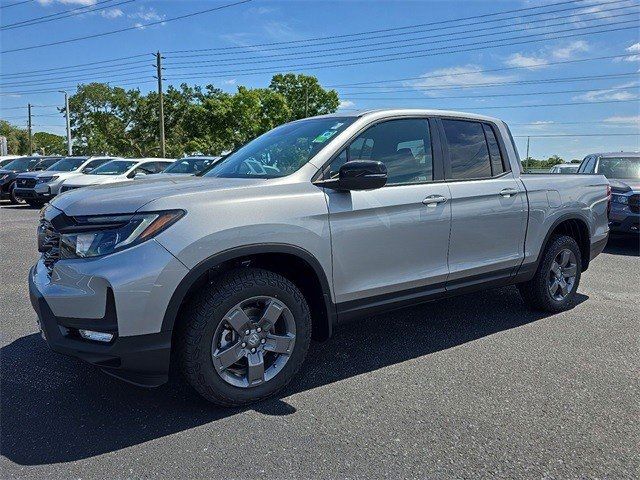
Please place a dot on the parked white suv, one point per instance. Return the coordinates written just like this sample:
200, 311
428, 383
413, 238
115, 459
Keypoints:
119, 170
231, 273
37, 188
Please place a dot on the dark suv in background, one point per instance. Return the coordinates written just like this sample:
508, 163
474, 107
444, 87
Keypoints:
10, 171
622, 169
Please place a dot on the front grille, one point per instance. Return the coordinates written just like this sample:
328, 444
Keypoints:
634, 203
26, 182
48, 244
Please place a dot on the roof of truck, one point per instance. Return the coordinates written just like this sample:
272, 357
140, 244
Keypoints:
617, 154
410, 111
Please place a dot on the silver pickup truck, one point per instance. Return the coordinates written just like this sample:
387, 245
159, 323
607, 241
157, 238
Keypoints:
315, 223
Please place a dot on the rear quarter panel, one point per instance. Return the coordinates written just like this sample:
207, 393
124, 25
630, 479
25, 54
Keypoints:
553, 198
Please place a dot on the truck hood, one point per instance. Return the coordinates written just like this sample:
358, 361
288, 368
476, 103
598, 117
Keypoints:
624, 184
88, 179
29, 175
127, 197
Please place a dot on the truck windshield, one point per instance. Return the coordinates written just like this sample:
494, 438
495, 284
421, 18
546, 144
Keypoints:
189, 165
19, 163
623, 167
281, 151
68, 164
114, 167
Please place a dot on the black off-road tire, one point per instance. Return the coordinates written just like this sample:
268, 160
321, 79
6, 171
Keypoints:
536, 293
206, 310
12, 196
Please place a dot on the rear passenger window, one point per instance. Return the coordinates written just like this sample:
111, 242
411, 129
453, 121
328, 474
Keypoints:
497, 164
468, 151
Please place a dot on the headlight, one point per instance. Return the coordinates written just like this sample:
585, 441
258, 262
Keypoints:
104, 234
47, 179
621, 199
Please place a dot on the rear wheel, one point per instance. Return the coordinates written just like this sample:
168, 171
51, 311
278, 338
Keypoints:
244, 337
553, 288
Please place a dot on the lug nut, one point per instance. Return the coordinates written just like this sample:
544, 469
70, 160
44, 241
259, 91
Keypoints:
253, 350
262, 341
247, 332
244, 344
258, 329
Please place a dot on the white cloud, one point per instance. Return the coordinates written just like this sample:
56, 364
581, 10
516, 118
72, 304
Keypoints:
444, 78
346, 104
260, 10
230, 81
147, 15
111, 13
624, 120
531, 62
619, 92
633, 48
280, 30
568, 51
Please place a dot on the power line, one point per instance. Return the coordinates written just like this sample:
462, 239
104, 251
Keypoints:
413, 41
126, 29
349, 35
62, 87
14, 4
497, 95
65, 14
365, 48
79, 65
368, 84
84, 78
396, 57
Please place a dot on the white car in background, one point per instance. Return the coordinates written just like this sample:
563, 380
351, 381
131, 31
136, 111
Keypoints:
37, 188
565, 168
120, 170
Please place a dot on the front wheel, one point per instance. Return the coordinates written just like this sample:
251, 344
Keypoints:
12, 195
554, 286
244, 336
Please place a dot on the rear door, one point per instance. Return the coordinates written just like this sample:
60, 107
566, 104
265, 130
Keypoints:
488, 204
392, 241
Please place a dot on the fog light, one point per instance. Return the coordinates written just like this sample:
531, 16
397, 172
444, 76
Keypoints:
96, 336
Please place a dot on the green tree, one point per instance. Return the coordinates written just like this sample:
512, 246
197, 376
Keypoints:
304, 95
17, 138
49, 144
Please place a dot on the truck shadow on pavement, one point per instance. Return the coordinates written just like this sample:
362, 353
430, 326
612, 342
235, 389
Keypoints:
56, 409
623, 245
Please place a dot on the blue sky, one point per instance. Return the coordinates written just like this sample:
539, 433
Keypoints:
423, 67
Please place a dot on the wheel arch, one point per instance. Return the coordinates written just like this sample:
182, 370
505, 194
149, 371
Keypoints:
575, 226
300, 266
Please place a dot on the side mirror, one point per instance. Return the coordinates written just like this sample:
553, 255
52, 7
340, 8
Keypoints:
358, 175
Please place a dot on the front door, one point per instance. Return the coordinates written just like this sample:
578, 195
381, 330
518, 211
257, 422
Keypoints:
391, 242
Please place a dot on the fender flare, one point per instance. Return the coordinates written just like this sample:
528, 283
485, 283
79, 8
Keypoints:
201, 268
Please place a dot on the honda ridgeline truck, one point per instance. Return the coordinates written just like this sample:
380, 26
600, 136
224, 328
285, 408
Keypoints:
315, 223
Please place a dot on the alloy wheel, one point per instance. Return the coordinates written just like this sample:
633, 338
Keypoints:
253, 342
562, 274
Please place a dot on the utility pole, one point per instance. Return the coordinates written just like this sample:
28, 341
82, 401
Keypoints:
527, 159
66, 115
306, 101
159, 76
29, 128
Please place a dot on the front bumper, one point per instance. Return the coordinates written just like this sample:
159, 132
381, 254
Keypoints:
142, 359
622, 220
39, 192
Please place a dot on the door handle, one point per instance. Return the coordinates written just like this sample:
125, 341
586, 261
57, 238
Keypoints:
433, 200
508, 192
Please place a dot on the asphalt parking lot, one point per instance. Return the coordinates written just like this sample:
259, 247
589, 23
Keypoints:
470, 387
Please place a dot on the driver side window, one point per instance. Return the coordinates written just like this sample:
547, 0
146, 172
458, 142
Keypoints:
404, 146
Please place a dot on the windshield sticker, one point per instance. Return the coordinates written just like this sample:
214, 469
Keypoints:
337, 125
323, 137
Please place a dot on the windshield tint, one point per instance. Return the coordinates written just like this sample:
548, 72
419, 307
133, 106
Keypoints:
189, 165
68, 164
281, 151
619, 167
19, 163
114, 167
